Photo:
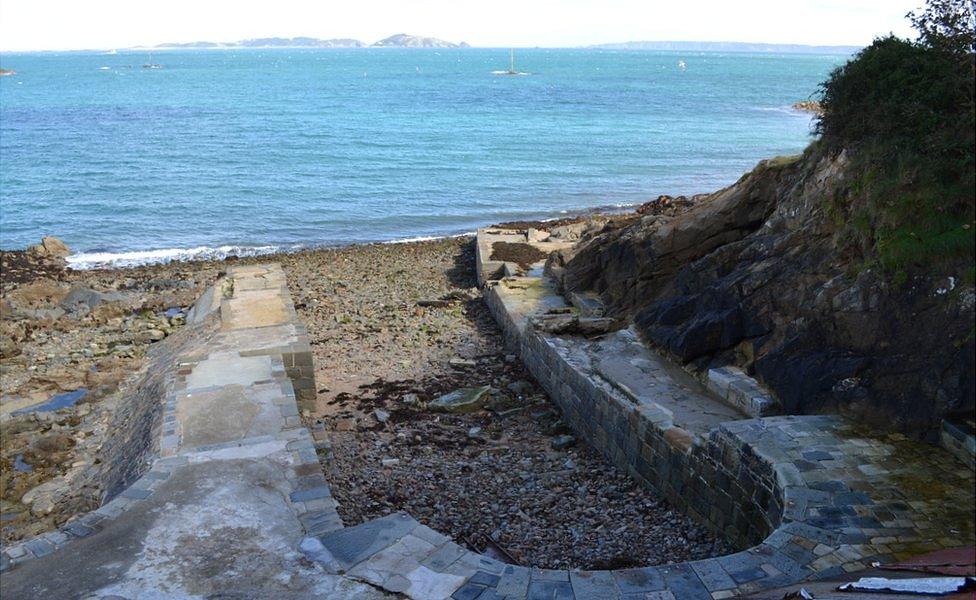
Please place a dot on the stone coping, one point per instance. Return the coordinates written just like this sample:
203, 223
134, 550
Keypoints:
807, 496
958, 439
232, 399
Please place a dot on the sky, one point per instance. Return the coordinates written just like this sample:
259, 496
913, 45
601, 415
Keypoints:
106, 24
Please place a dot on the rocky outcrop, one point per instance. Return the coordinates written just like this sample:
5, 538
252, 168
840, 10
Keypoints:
754, 275
50, 247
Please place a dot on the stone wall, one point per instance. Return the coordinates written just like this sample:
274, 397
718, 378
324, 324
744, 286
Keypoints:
136, 422
718, 480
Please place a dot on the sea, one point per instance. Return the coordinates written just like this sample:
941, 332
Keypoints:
135, 156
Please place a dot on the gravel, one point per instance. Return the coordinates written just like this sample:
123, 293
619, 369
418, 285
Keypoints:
394, 327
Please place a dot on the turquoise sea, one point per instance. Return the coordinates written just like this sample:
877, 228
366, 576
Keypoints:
252, 150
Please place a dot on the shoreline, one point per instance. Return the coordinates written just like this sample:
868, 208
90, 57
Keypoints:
107, 260
392, 327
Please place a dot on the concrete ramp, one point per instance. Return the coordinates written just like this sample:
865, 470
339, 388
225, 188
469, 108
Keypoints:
235, 486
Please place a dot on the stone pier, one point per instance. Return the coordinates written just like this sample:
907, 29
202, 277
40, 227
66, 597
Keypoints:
235, 483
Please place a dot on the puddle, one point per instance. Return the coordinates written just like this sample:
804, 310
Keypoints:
20, 465
56, 402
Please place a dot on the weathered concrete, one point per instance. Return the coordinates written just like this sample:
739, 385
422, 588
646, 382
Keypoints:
234, 488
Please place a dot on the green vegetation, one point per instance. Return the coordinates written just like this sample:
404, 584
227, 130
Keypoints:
904, 112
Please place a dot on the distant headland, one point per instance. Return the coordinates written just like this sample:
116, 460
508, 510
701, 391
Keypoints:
400, 40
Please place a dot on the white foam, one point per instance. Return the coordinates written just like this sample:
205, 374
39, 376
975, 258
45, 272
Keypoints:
95, 260
428, 238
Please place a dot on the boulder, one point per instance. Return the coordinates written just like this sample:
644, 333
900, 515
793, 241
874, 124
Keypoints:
84, 299
50, 247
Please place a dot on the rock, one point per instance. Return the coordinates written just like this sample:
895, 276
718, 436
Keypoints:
41, 497
569, 323
562, 442
474, 432
595, 325
50, 247
571, 232
520, 387
464, 400
811, 106
390, 462
559, 323
758, 275
84, 298
345, 424
148, 336
588, 304
410, 399
462, 363
381, 416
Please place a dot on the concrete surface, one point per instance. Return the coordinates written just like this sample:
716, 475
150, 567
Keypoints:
235, 487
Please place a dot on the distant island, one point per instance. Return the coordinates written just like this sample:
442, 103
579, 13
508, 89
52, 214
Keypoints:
400, 40
729, 47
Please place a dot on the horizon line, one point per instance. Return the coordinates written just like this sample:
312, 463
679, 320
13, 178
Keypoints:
236, 45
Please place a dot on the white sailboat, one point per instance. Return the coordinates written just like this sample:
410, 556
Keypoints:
511, 65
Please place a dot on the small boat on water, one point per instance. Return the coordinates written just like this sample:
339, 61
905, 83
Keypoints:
511, 66
681, 65
151, 64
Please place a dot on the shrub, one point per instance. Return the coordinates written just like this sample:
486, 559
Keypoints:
905, 113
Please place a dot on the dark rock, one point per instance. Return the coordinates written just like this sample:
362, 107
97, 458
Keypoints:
755, 276
562, 442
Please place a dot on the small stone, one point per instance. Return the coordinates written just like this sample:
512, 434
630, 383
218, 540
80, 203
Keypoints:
562, 441
410, 399
462, 362
390, 462
474, 432
463, 400
345, 424
381, 415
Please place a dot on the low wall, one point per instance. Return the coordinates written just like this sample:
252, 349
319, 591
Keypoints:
719, 481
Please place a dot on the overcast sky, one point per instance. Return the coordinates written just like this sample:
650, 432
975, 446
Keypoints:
104, 24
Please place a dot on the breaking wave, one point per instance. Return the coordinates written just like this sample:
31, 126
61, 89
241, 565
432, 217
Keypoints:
97, 260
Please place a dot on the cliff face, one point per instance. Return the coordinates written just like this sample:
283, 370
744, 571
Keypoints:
753, 275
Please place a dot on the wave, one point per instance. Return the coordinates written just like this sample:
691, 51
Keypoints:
427, 238
100, 260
